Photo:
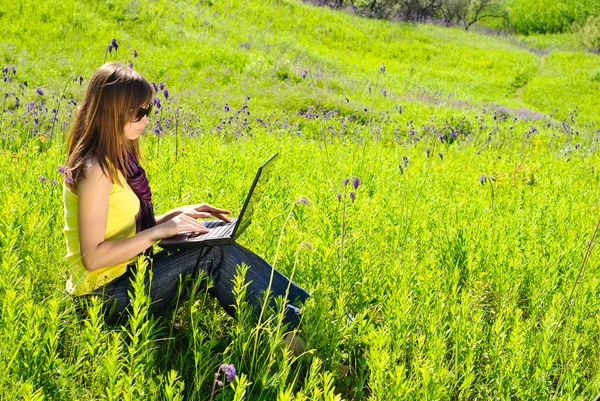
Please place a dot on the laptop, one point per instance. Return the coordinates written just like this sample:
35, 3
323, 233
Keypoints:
220, 232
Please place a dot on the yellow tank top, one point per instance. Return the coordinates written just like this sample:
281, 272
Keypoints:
123, 206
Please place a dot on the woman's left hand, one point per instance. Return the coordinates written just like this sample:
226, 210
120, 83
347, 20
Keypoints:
203, 211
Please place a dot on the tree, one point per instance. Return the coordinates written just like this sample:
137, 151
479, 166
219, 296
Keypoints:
468, 12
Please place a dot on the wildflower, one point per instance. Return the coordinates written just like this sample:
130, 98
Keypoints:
109, 48
39, 91
157, 104
352, 196
161, 85
135, 53
5, 70
441, 155
54, 182
36, 121
229, 370
366, 109
61, 169
405, 160
427, 151
577, 145
226, 107
247, 98
346, 181
14, 70
42, 178
303, 200
166, 93
382, 69
154, 86
483, 179
69, 180
30, 106
306, 245
384, 93
304, 74
131, 64
114, 44
339, 197
355, 183
80, 79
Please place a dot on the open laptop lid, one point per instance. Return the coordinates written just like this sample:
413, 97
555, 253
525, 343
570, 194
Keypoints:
254, 195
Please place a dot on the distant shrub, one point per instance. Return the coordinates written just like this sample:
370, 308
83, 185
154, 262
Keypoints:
549, 16
589, 34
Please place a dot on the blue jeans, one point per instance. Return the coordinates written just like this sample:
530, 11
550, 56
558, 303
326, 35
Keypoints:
219, 263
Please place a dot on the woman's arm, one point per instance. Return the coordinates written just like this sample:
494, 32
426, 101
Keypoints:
96, 253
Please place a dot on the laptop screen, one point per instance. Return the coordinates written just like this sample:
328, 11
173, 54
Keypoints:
253, 198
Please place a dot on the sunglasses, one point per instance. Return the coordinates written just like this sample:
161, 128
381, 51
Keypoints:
142, 112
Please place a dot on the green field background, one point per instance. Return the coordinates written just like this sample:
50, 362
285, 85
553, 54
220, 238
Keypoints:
465, 268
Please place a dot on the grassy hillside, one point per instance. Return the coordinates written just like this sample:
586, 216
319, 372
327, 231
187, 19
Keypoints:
222, 51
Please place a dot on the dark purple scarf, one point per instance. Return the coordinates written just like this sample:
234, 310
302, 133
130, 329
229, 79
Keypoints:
137, 180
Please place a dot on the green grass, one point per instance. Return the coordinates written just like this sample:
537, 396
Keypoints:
448, 288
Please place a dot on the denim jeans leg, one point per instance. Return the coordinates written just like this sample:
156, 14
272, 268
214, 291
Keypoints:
219, 263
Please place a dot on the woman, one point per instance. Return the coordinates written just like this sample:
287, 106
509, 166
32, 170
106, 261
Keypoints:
109, 216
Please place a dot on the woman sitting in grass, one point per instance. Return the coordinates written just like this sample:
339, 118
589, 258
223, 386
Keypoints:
109, 219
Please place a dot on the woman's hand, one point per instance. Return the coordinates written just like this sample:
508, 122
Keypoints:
178, 224
198, 211
205, 211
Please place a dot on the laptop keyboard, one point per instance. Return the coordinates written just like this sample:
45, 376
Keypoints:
217, 229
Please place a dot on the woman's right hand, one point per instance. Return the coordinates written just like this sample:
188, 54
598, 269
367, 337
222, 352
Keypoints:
178, 224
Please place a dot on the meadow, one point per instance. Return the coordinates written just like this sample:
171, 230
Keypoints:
462, 267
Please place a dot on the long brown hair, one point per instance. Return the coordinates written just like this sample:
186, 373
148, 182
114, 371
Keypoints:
112, 99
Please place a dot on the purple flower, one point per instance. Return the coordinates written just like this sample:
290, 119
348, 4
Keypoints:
5, 70
14, 70
36, 121
157, 103
577, 145
355, 183
42, 178
114, 44
346, 181
166, 93
382, 69
303, 200
161, 85
483, 179
304, 74
427, 151
441, 155
226, 107
154, 86
61, 169
135, 53
247, 98
339, 197
365, 109
405, 160
39, 91
69, 180
229, 370
109, 48
399, 109
54, 182
352, 196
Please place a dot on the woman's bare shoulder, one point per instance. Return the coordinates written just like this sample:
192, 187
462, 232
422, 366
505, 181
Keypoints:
93, 171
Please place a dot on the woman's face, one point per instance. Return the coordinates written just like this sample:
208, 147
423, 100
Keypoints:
134, 129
